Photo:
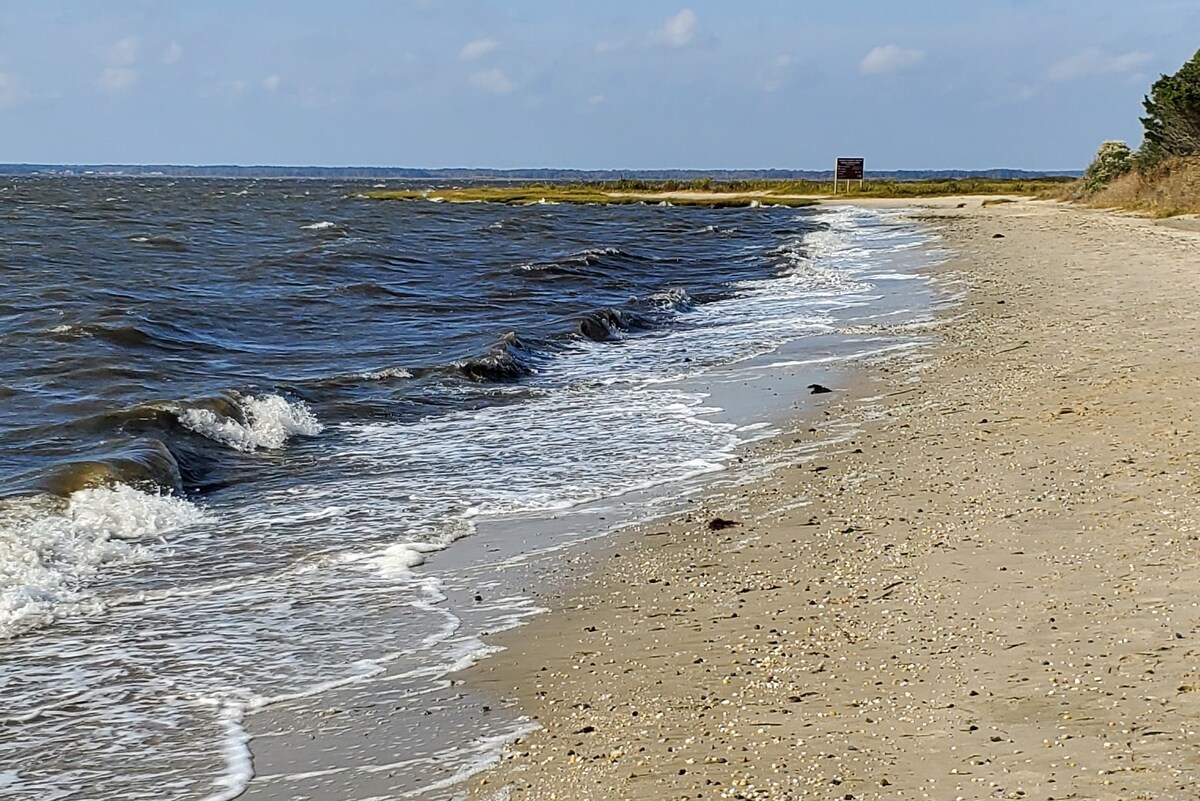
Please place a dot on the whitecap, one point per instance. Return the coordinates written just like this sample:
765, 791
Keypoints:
270, 421
50, 548
379, 375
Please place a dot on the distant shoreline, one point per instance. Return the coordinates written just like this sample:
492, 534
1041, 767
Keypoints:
497, 175
709, 194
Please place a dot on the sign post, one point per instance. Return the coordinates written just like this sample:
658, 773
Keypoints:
847, 170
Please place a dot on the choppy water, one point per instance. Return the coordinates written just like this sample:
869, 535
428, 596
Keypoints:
235, 417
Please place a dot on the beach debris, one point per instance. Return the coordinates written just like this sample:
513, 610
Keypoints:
997, 236
720, 524
818, 389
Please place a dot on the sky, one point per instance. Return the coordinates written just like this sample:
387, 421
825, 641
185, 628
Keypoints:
604, 84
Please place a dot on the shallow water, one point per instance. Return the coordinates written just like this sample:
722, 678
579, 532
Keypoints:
236, 417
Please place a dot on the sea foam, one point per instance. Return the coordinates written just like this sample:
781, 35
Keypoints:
50, 548
270, 421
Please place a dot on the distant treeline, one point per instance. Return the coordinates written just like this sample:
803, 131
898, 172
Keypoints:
523, 175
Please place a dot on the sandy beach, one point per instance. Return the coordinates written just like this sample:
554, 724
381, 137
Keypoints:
988, 590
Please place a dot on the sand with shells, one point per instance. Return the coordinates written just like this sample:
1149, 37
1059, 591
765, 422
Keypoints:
991, 589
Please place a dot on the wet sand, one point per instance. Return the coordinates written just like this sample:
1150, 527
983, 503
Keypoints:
989, 589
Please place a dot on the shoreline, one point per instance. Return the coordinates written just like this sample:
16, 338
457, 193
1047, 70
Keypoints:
985, 592
410, 727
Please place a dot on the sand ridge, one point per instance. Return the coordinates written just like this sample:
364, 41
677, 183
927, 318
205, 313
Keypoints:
990, 589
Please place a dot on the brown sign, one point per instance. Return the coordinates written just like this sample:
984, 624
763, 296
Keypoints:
849, 170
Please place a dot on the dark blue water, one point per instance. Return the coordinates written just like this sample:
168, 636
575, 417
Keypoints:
235, 416
125, 298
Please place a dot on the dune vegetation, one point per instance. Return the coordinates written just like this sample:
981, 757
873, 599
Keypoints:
1161, 177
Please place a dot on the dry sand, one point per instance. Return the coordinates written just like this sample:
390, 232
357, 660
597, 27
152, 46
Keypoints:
990, 591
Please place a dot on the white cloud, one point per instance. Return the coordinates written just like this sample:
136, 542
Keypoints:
12, 90
115, 80
604, 47
1094, 61
123, 53
493, 81
678, 30
118, 74
773, 77
477, 49
271, 83
889, 58
173, 53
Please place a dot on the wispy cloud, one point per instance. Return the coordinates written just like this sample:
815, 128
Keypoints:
493, 81
118, 73
889, 58
271, 83
117, 79
12, 90
1094, 61
477, 49
173, 53
774, 76
678, 30
123, 53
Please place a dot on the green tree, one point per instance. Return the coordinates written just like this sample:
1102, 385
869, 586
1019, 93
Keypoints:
1172, 121
1147, 157
1113, 160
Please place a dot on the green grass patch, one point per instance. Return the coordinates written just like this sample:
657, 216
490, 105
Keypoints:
603, 194
725, 194
1040, 187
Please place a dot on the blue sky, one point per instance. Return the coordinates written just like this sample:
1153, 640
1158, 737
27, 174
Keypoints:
629, 84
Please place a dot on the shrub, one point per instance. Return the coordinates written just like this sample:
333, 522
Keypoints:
1172, 187
1147, 158
1112, 160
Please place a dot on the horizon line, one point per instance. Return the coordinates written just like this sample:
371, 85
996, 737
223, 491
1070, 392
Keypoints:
254, 166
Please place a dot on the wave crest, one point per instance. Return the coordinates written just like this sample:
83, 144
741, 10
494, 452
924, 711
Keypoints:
266, 421
510, 360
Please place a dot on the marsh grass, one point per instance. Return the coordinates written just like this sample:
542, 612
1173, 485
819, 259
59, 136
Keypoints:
730, 194
603, 194
1040, 187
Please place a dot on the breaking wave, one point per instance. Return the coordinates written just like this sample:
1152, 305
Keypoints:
50, 548
266, 421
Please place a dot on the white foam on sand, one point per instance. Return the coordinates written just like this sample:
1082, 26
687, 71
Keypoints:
239, 762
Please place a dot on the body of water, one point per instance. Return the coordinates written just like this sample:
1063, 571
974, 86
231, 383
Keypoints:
236, 417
